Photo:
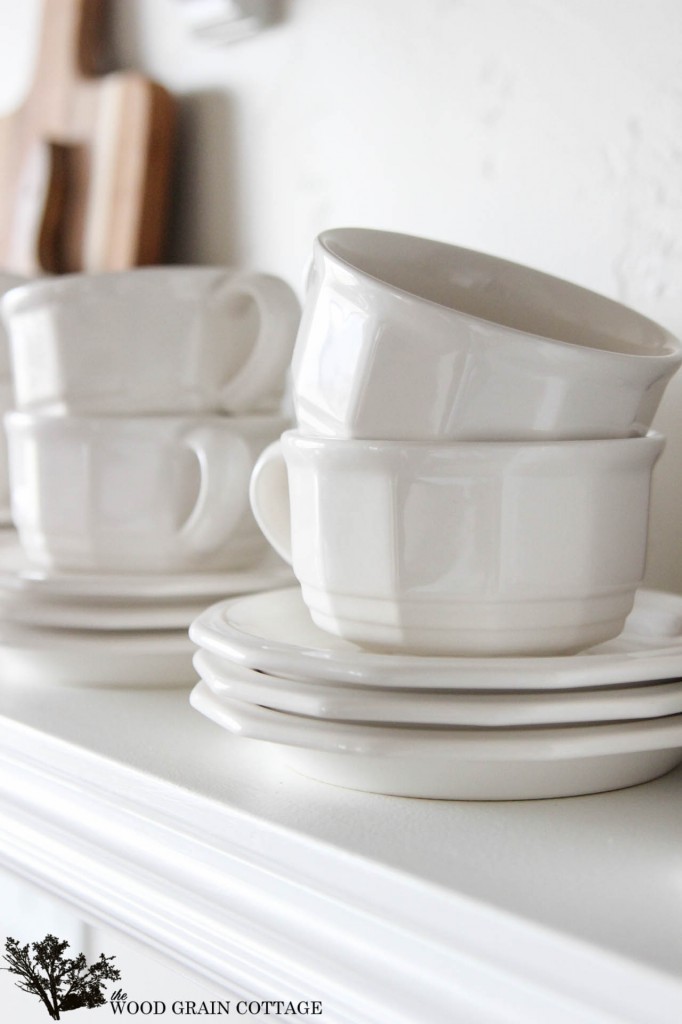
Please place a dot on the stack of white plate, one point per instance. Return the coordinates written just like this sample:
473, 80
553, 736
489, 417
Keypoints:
445, 727
71, 629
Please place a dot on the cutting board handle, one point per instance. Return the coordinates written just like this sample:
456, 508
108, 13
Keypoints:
70, 40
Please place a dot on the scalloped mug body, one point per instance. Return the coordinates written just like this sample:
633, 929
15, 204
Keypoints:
151, 340
136, 494
508, 548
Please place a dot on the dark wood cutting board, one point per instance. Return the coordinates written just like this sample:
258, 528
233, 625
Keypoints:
85, 161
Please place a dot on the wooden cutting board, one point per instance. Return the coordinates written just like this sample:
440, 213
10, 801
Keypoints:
85, 161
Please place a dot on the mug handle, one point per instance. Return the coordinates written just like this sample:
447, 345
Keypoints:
224, 465
269, 497
263, 374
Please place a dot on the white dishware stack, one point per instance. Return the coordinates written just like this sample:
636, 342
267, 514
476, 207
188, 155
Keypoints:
464, 503
142, 400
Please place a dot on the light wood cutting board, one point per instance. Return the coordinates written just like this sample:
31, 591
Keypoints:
85, 161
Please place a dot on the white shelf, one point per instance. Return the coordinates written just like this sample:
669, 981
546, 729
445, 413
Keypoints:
146, 817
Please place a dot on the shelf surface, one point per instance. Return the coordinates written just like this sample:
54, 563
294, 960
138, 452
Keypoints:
506, 911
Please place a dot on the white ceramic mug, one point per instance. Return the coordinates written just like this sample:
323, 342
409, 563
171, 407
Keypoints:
6, 403
151, 340
508, 548
136, 494
407, 338
8, 281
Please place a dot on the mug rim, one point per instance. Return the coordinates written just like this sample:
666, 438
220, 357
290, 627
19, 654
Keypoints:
312, 442
21, 419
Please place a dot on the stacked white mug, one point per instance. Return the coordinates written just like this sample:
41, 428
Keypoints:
142, 400
471, 470
8, 280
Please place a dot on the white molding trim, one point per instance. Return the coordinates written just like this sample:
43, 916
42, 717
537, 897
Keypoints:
266, 913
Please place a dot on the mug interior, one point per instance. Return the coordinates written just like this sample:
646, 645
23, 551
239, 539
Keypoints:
497, 291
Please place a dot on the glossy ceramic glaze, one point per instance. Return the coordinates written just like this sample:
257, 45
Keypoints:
151, 340
407, 338
458, 764
273, 632
466, 548
325, 700
136, 494
453, 778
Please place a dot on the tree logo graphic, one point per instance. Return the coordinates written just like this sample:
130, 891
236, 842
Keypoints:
61, 983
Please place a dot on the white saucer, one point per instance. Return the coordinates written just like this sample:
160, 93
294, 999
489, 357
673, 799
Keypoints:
272, 631
458, 764
362, 704
78, 614
33, 597
45, 657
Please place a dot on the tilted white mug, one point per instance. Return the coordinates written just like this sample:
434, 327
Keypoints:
407, 338
136, 494
151, 340
507, 548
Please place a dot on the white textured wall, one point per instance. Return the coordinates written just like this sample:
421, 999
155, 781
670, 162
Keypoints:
548, 131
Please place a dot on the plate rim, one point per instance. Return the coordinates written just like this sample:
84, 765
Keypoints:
213, 632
